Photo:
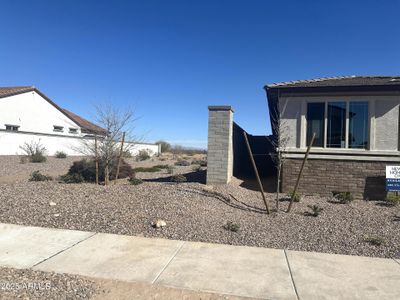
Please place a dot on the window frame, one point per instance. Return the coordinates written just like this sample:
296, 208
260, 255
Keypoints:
347, 101
57, 128
73, 130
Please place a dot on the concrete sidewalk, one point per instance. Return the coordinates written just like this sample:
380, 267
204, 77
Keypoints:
232, 270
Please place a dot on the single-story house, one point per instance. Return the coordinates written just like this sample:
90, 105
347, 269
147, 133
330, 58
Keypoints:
356, 124
27, 114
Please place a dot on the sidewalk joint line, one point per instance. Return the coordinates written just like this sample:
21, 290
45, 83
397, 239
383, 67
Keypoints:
168, 263
291, 275
59, 252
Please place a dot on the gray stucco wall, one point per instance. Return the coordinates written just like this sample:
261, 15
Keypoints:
386, 124
290, 111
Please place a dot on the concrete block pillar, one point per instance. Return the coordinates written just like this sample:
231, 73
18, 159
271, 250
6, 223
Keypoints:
220, 144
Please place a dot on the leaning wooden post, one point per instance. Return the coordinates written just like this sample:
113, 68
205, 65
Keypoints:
300, 173
121, 150
256, 171
96, 159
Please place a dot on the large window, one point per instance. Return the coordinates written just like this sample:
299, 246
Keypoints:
338, 124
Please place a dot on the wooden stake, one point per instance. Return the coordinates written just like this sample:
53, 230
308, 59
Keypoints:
121, 150
300, 173
96, 158
255, 171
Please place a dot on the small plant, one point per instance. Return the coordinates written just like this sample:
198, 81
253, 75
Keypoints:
178, 178
196, 168
182, 162
393, 199
343, 197
231, 226
170, 170
200, 162
135, 181
161, 166
296, 196
37, 176
60, 154
126, 153
143, 155
149, 169
374, 240
72, 178
35, 151
315, 210
23, 159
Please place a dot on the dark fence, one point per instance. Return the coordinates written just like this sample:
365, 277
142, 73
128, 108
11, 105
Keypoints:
262, 149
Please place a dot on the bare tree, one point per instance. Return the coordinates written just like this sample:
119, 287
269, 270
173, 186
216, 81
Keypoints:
115, 123
280, 142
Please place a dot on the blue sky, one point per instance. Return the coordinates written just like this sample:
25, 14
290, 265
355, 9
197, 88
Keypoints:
169, 60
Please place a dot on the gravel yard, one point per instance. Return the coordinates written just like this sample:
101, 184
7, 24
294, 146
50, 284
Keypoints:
196, 212
29, 284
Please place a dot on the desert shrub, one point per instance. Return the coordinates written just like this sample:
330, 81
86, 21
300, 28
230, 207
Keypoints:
35, 151
126, 153
87, 169
135, 181
143, 155
161, 166
393, 199
374, 240
72, 178
23, 159
165, 146
231, 226
149, 169
200, 162
60, 154
196, 168
182, 162
315, 210
178, 178
343, 197
37, 176
295, 196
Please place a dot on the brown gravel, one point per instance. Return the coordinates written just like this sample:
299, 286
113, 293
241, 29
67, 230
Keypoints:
29, 284
193, 212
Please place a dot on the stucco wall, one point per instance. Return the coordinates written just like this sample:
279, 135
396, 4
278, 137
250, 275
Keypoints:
10, 143
290, 111
387, 124
33, 113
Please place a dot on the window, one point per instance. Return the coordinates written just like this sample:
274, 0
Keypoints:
315, 123
358, 125
58, 128
11, 127
346, 124
336, 136
73, 130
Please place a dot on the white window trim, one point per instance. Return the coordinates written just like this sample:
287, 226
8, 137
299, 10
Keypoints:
58, 130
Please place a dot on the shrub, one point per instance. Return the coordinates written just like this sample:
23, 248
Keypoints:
37, 176
126, 153
315, 210
72, 178
295, 196
165, 146
178, 178
161, 166
374, 240
196, 168
200, 162
135, 181
87, 169
343, 197
149, 169
34, 151
23, 159
143, 155
182, 162
60, 154
231, 226
393, 199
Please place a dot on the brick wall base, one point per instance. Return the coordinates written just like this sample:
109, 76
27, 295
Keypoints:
364, 179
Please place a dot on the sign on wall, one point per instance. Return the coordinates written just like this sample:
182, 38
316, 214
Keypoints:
393, 178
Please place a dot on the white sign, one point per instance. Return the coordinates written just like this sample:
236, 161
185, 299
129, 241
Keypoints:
392, 172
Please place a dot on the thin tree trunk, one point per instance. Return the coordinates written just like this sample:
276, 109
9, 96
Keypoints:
119, 157
96, 159
278, 185
106, 174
